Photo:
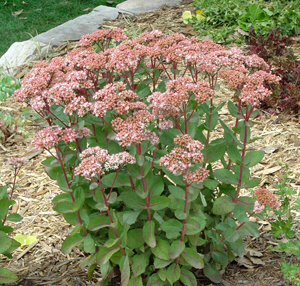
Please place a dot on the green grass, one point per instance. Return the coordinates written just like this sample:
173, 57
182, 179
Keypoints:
38, 16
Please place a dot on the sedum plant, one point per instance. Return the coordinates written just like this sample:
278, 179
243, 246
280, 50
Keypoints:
150, 183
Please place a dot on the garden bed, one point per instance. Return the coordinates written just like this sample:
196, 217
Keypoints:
44, 264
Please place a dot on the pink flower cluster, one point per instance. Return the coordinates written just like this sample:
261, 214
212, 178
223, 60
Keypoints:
99, 36
97, 160
182, 158
17, 162
258, 208
266, 197
170, 103
50, 136
133, 129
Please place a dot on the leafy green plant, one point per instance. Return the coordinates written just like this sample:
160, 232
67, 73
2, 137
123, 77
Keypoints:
283, 225
222, 18
8, 123
8, 85
134, 146
8, 244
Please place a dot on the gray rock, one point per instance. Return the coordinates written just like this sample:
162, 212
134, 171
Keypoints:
82, 25
140, 6
21, 53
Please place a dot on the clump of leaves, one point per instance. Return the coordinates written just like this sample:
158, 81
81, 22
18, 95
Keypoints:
8, 85
284, 225
8, 244
9, 124
222, 19
275, 50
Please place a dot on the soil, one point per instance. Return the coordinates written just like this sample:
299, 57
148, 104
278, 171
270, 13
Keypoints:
43, 263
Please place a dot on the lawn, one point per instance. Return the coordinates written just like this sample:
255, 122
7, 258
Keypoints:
19, 19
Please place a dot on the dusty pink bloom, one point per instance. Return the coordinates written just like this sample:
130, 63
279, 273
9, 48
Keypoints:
133, 129
197, 176
180, 159
258, 208
235, 79
37, 103
103, 37
32, 85
17, 162
114, 161
78, 104
170, 103
266, 197
71, 134
126, 57
254, 90
97, 160
47, 137
61, 92
165, 124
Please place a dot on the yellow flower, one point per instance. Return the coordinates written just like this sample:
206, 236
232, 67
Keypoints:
185, 16
199, 15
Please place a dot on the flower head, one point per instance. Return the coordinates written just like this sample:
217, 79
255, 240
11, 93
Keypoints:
17, 162
266, 197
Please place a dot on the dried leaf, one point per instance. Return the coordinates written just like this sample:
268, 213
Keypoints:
270, 149
16, 13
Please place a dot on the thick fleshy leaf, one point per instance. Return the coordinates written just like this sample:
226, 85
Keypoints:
223, 205
212, 273
210, 184
187, 277
162, 273
70, 242
14, 217
79, 197
104, 254
130, 217
160, 263
99, 222
159, 203
133, 201
89, 244
193, 258
4, 205
149, 233
135, 238
238, 247
139, 263
91, 271
7, 276
173, 273
125, 273
172, 227
157, 186
240, 213
253, 157
3, 192
176, 248
177, 192
220, 257
5, 242
162, 248
135, 281
225, 176
252, 227
155, 280
216, 150
121, 180
234, 153
192, 227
